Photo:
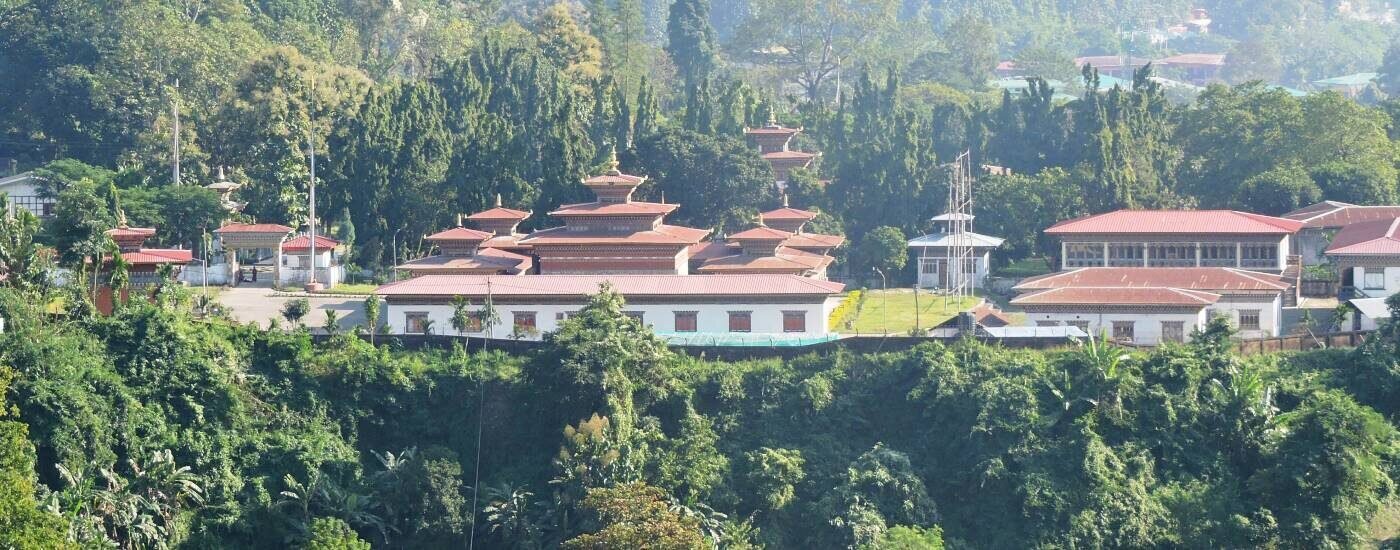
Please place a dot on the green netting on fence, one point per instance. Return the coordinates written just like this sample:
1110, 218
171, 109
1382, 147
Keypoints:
743, 340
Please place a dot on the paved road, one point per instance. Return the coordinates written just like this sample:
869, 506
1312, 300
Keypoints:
258, 305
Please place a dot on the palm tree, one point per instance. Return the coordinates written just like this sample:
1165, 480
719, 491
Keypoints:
332, 325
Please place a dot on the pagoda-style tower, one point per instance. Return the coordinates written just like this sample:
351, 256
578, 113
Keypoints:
761, 250
614, 233
773, 141
502, 224
794, 221
225, 189
461, 251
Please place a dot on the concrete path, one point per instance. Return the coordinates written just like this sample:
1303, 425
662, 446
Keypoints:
259, 305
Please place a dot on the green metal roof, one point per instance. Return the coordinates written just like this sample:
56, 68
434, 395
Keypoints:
1358, 79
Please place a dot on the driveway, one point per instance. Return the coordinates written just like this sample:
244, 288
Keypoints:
258, 305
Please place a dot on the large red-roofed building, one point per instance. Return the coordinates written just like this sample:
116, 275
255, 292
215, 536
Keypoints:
1321, 222
1367, 254
1146, 305
1176, 238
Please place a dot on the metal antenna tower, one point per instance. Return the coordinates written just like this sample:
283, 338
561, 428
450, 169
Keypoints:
960, 282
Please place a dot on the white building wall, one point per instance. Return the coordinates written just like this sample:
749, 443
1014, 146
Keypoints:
1391, 276
928, 278
1147, 328
711, 318
329, 276
1270, 316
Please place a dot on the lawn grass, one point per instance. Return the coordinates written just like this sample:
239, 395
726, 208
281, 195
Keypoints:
351, 288
1028, 267
892, 311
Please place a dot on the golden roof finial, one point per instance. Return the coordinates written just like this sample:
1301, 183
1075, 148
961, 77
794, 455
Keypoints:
121, 218
772, 118
459, 220
498, 200
613, 163
760, 220
663, 196
785, 200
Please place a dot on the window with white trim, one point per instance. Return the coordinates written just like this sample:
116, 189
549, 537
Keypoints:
1374, 280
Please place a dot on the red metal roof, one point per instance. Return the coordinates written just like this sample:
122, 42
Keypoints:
1192, 278
459, 234
253, 228
761, 233
1176, 222
615, 209
158, 256
1379, 237
664, 234
131, 232
302, 242
506, 242
787, 213
485, 259
1166, 297
814, 240
713, 249
786, 261
772, 130
1332, 214
499, 213
614, 179
628, 285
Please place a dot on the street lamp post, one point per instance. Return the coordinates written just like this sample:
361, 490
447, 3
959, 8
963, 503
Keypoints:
884, 301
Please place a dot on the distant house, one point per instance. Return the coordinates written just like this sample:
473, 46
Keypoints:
1367, 255
1008, 68
298, 260
1176, 238
1323, 220
1349, 85
1199, 68
1148, 306
23, 191
932, 254
1114, 65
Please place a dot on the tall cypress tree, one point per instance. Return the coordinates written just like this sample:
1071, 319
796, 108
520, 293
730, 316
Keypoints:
691, 40
391, 168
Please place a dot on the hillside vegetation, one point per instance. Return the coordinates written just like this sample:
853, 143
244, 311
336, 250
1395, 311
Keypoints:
153, 427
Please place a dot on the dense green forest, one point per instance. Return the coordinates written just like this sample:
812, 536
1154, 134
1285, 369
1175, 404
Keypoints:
422, 110
156, 427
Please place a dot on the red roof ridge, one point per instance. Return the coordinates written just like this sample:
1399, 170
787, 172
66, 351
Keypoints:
760, 233
253, 228
459, 234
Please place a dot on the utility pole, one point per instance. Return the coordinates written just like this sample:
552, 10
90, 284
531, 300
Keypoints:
311, 219
175, 135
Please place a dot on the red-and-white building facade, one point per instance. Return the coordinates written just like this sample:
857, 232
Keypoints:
1153, 276
767, 280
